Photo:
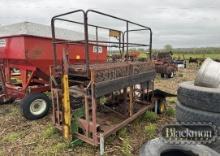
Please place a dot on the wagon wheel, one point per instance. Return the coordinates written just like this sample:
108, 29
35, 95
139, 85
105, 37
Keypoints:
35, 106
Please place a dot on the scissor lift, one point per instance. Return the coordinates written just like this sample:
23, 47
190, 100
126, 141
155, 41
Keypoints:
93, 101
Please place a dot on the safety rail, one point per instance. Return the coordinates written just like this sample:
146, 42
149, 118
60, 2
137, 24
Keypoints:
123, 41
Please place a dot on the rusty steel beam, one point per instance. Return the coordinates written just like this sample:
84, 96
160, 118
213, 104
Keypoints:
131, 101
127, 121
94, 109
87, 115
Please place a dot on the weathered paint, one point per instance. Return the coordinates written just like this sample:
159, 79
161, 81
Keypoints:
37, 51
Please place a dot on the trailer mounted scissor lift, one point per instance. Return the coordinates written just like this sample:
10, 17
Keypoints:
93, 101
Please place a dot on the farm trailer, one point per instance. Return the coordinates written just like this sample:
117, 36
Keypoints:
25, 58
93, 101
165, 65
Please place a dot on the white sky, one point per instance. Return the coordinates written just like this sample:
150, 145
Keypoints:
181, 23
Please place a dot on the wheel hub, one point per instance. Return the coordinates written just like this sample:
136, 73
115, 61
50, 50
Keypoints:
162, 107
38, 106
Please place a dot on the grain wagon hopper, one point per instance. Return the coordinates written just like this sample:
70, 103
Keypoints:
93, 101
25, 59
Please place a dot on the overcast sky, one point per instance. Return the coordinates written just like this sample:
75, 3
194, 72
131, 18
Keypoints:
181, 23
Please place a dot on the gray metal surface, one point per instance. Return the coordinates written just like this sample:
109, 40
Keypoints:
107, 87
40, 30
209, 74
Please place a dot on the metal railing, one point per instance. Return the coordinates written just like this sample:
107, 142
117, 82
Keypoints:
123, 41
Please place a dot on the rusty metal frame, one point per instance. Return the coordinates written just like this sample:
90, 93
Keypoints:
96, 42
14, 91
89, 123
134, 73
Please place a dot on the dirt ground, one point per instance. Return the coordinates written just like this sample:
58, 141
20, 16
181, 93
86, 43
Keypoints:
21, 137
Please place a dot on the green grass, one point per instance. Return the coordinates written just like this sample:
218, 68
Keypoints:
196, 55
171, 100
150, 130
170, 112
143, 55
126, 148
55, 148
11, 137
14, 111
49, 132
111, 138
122, 132
150, 116
1, 153
61, 146
180, 75
103, 100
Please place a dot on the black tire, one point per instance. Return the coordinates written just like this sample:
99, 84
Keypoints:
7, 101
186, 114
170, 75
201, 98
215, 145
157, 148
184, 64
27, 102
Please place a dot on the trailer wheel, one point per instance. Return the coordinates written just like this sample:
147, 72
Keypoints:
35, 106
170, 75
161, 106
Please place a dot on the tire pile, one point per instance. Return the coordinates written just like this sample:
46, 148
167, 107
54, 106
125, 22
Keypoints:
198, 104
199, 101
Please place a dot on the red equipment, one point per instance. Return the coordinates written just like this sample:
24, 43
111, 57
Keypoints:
26, 54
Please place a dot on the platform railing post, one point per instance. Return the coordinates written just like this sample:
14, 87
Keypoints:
53, 42
150, 46
86, 42
94, 105
102, 145
87, 114
131, 101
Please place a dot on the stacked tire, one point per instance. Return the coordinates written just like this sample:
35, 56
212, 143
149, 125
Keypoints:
198, 104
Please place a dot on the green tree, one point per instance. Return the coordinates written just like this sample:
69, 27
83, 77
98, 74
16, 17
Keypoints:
168, 47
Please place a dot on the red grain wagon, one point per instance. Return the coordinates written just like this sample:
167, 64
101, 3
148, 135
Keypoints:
25, 57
